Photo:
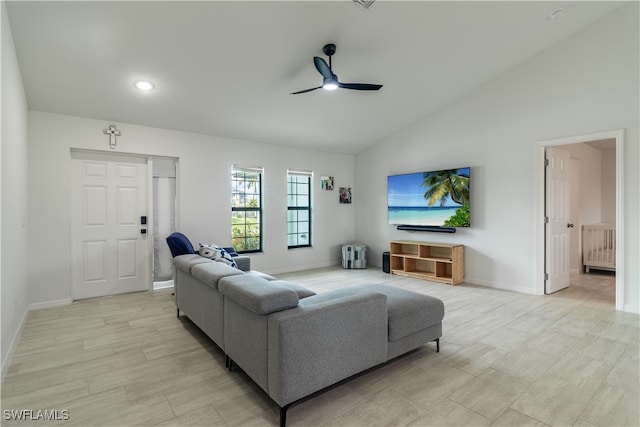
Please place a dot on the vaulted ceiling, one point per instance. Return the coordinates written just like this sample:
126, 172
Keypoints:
228, 68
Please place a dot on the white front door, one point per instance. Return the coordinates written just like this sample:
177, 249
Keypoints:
110, 255
557, 224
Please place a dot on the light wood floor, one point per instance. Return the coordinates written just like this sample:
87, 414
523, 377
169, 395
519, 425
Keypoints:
506, 359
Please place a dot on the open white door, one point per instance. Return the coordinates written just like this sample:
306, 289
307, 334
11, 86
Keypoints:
109, 251
557, 220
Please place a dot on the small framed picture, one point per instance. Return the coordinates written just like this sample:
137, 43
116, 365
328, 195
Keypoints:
326, 182
345, 195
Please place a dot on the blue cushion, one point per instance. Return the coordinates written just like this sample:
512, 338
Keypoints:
179, 244
231, 251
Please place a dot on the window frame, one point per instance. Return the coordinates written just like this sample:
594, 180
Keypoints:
308, 208
236, 169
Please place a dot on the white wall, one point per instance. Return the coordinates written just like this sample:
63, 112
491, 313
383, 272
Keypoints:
585, 84
203, 191
13, 201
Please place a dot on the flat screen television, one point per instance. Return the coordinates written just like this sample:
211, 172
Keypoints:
434, 198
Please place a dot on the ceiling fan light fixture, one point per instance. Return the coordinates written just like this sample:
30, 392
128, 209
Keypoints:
144, 85
330, 84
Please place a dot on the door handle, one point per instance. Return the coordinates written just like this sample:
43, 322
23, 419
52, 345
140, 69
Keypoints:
569, 225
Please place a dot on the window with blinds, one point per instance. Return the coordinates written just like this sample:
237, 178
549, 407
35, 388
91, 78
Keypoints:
246, 209
299, 208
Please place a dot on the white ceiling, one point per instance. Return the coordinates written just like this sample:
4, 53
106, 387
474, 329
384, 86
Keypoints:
227, 68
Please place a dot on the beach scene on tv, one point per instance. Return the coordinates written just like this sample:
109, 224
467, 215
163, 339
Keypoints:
437, 198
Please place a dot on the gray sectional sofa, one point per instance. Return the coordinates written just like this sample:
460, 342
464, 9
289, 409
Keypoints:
293, 342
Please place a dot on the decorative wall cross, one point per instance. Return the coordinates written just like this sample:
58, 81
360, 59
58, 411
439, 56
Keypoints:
112, 132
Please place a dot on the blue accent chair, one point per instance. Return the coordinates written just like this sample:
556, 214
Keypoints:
179, 244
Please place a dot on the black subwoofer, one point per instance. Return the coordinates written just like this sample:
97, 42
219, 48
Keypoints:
386, 263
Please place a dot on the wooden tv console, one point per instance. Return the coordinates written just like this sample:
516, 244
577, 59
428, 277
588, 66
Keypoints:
438, 262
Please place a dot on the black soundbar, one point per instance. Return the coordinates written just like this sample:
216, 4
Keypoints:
433, 228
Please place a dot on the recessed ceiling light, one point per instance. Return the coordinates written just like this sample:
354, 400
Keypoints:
144, 85
555, 14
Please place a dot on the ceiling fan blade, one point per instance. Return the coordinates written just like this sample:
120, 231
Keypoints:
322, 67
305, 91
359, 86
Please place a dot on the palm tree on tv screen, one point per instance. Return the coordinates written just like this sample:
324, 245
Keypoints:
446, 183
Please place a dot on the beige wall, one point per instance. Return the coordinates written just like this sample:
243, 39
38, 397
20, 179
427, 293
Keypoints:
586, 195
609, 185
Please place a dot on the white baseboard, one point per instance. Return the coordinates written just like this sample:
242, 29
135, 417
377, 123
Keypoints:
50, 304
628, 308
502, 286
301, 268
166, 284
6, 362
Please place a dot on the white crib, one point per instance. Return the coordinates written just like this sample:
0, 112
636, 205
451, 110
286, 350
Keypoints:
599, 246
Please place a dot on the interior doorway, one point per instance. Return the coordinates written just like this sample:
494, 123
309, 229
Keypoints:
588, 207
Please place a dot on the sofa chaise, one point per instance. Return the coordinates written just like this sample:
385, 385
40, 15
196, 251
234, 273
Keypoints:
293, 342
